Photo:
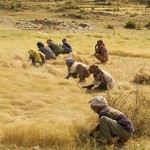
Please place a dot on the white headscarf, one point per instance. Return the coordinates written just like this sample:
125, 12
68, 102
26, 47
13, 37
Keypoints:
98, 101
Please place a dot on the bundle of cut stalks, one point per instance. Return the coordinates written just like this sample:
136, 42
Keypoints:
143, 76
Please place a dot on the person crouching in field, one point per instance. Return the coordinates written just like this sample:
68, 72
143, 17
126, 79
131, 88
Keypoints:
46, 50
102, 79
55, 47
101, 52
36, 57
66, 46
77, 70
113, 123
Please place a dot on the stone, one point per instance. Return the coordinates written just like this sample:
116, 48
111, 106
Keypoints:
36, 148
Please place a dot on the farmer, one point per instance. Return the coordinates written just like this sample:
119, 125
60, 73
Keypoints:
101, 52
55, 47
46, 50
102, 79
113, 123
66, 46
36, 57
77, 70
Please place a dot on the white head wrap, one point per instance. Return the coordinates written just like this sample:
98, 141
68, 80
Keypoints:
98, 101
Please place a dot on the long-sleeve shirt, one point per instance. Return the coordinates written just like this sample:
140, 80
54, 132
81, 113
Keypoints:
56, 49
68, 46
101, 49
114, 114
47, 51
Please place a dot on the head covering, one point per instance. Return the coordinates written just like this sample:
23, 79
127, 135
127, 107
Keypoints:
94, 69
99, 42
70, 60
49, 41
98, 101
36, 55
40, 44
64, 40
31, 52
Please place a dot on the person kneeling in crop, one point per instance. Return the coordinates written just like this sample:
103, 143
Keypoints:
77, 70
36, 57
102, 79
113, 123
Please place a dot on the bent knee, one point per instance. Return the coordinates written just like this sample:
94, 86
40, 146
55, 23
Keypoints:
103, 118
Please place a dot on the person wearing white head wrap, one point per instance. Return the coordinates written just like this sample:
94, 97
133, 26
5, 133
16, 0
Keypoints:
77, 70
112, 122
98, 101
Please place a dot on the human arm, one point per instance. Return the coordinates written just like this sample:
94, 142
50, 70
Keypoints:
93, 131
96, 48
53, 58
88, 86
68, 76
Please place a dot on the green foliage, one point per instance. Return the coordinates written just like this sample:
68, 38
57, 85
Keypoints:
76, 16
130, 25
10, 5
15, 5
2, 5
70, 5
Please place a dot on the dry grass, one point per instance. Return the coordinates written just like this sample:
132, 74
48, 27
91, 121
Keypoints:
143, 76
40, 107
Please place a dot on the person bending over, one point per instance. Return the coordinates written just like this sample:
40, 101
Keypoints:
46, 50
102, 79
77, 70
112, 122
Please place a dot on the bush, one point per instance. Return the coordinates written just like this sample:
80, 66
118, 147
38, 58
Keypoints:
76, 16
10, 5
71, 5
130, 25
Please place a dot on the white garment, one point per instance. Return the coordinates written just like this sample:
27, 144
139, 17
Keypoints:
109, 79
74, 66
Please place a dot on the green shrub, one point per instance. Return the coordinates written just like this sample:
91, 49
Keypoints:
76, 16
14, 5
116, 9
70, 5
130, 25
82, 10
2, 5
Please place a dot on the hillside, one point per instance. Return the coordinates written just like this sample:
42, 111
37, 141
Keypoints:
40, 107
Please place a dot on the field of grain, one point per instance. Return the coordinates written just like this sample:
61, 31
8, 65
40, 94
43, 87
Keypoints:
41, 108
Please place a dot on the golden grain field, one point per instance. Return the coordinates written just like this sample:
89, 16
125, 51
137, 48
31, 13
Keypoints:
40, 107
